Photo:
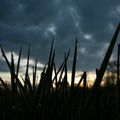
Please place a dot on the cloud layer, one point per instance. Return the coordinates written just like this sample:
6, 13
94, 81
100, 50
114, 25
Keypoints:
24, 22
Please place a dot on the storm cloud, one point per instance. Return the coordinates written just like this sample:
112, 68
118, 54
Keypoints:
24, 22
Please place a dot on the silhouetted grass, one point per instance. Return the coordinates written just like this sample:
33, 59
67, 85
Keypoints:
40, 100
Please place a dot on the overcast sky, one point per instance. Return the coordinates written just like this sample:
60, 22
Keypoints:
35, 22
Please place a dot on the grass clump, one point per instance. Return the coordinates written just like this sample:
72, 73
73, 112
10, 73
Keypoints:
43, 101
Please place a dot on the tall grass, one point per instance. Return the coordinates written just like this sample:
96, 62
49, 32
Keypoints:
51, 97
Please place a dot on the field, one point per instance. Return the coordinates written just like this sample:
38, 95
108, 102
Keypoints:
52, 98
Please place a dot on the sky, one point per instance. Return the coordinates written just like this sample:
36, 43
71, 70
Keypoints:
35, 22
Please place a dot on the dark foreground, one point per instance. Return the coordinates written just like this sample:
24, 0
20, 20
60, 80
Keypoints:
26, 99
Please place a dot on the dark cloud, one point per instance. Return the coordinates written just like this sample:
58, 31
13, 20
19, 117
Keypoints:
24, 22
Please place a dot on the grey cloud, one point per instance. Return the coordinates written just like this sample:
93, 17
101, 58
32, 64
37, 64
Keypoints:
24, 22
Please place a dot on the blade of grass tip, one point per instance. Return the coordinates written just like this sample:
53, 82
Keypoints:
49, 73
106, 59
51, 52
13, 83
18, 63
12, 64
49, 70
65, 78
3, 53
52, 63
50, 66
73, 68
34, 75
27, 67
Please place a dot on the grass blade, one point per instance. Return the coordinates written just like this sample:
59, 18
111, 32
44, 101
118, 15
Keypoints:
106, 59
61, 65
73, 68
13, 82
118, 65
26, 74
18, 64
34, 76
51, 52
